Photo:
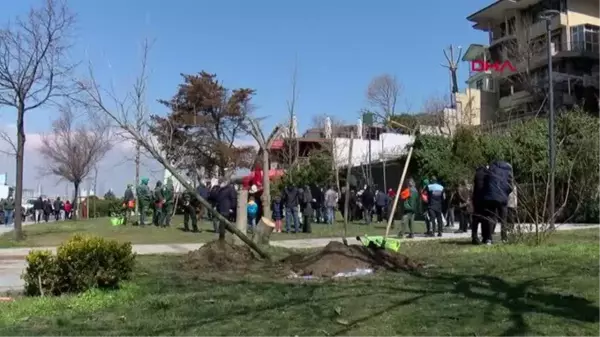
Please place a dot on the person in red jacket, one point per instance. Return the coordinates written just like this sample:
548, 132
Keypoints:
68, 209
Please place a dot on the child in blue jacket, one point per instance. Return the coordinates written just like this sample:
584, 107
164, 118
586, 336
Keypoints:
252, 209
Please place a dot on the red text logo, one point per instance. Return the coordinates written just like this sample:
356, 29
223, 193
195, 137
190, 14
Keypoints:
479, 66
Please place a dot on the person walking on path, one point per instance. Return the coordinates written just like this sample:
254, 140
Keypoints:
38, 209
9, 209
410, 199
144, 200
435, 202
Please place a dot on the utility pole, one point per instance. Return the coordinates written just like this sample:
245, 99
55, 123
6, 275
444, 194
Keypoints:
453, 68
368, 121
95, 187
547, 15
383, 163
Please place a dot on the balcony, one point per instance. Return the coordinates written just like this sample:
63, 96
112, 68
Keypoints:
539, 28
519, 97
535, 29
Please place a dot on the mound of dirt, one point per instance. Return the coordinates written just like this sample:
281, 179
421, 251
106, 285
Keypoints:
338, 258
221, 256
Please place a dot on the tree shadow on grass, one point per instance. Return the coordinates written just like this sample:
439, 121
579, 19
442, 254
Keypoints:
520, 298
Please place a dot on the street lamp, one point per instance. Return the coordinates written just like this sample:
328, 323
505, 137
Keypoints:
547, 15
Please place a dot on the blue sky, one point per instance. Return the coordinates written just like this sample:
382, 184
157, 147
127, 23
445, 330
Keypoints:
338, 47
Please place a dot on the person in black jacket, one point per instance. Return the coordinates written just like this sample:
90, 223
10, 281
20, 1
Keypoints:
498, 185
367, 199
478, 204
226, 200
290, 199
38, 209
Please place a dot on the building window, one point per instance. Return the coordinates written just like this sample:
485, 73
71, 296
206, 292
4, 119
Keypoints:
490, 84
584, 38
479, 84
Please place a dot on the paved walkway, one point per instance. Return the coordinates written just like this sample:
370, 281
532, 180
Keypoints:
7, 229
12, 263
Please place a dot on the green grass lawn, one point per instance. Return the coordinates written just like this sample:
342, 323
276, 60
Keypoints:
466, 290
53, 234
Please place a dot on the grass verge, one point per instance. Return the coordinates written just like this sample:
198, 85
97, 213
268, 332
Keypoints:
466, 290
54, 233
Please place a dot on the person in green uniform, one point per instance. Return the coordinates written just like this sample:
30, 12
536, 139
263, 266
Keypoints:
159, 203
144, 199
189, 213
410, 199
168, 193
128, 204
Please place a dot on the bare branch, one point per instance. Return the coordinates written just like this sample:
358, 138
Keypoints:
75, 146
383, 93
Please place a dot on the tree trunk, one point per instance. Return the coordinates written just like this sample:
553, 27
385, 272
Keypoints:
241, 221
334, 165
19, 171
266, 195
138, 150
75, 200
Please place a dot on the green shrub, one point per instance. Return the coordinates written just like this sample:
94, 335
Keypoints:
42, 272
80, 264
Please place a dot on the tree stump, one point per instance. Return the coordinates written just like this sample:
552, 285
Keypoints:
263, 231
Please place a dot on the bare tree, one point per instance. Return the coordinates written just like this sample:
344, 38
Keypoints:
264, 144
383, 93
291, 151
74, 147
436, 118
141, 118
33, 70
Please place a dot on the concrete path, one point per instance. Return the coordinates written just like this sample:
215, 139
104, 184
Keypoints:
12, 263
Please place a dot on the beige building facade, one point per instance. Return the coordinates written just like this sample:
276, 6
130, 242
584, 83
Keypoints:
517, 34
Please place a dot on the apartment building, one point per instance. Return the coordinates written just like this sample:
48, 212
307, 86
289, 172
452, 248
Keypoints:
517, 34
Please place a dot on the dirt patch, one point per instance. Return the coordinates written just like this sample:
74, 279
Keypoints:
220, 256
338, 258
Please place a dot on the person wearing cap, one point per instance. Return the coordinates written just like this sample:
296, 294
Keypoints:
144, 199
128, 203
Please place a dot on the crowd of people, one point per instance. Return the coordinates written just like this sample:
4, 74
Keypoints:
42, 210
488, 200
45, 209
